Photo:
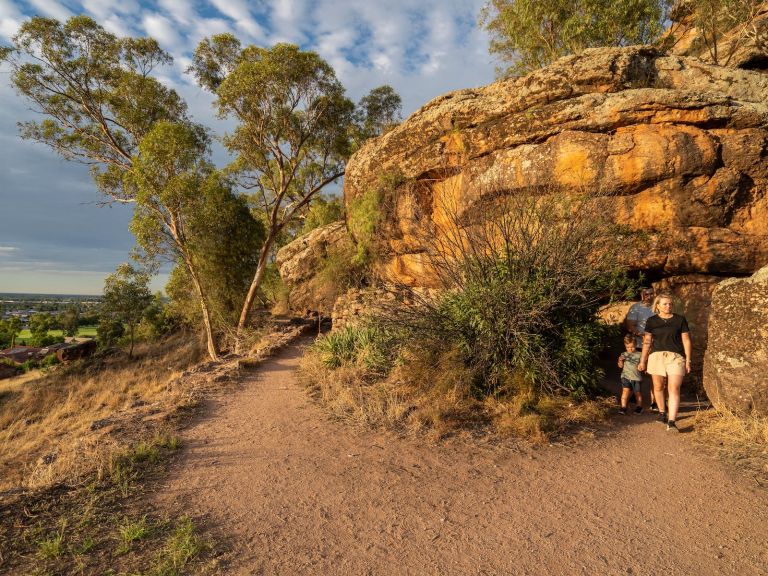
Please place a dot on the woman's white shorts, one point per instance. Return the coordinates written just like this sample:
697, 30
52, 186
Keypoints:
666, 364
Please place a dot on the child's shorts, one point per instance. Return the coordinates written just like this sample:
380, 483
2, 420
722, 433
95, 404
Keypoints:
666, 364
633, 384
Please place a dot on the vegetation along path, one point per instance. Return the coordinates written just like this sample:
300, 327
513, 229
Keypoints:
287, 491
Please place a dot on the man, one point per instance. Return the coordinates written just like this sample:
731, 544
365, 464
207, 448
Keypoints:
635, 321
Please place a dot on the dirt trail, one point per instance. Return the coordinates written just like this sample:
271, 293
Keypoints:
295, 493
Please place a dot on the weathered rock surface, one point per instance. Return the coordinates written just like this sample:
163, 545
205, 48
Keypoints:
736, 362
746, 46
301, 260
681, 147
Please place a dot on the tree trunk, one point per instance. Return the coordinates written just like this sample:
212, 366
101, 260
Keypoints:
130, 350
213, 351
251, 296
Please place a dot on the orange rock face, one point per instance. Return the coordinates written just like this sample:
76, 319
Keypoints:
679, 148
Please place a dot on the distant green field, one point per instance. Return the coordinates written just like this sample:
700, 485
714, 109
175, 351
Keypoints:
25, 334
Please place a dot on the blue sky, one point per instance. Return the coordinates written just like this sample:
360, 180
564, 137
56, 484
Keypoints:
55, 234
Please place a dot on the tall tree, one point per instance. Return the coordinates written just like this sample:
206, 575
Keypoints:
70, 320
100, 103
529, 34
126, 297
183, 209
95, 91
293, 133
294, 129
378, 111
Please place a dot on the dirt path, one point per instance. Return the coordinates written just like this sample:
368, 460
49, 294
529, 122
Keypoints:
296, 494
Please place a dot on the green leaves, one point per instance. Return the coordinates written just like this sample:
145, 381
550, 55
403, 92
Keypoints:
529, 34
95, 91
292, 137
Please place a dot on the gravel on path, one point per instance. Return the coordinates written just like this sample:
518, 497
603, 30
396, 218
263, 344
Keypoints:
289, 491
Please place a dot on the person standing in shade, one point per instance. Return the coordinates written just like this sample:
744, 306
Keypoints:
666, 356
630, 375
634, 324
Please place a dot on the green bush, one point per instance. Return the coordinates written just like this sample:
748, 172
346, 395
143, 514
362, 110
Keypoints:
365, 214
48, 361
323, 211
521, 293
109, 332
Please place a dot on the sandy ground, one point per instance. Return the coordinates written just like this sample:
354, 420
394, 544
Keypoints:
288, 491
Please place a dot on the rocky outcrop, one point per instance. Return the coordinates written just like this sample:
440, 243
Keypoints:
679, 147
745, 46
301, 265
736, 362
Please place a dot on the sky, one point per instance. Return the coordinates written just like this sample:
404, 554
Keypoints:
57, 235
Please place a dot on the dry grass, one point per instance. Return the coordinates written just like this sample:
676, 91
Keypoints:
47, 431
433, 396
742, 440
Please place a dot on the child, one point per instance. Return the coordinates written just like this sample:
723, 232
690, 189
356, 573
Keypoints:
630, 376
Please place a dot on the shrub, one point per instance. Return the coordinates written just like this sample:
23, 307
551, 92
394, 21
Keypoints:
369, 347
323, 211
109, 332
365, 214
512, 334
521, 289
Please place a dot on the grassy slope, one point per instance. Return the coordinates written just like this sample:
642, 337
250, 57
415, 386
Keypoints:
86, 511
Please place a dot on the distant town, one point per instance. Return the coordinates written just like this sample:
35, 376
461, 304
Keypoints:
23, 306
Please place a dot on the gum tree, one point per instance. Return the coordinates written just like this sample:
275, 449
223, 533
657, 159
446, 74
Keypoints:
126, 297
529, 34
102, 106
294, 131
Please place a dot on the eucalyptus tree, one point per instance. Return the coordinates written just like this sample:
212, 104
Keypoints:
378, 111
95, 91
172, 182
103, 107
294, 134
529, 34
126, 297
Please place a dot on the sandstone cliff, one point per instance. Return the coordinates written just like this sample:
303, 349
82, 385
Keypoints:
681, 146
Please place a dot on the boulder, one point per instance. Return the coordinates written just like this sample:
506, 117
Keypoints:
679, 148
301, 263
736, 361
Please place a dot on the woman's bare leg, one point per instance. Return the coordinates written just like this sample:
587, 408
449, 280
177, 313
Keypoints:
673, 386
658, 392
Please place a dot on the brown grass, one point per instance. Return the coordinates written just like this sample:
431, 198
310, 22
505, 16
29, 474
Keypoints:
742, 440
433, 396
47, 431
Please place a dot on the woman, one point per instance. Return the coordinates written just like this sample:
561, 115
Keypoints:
668, 341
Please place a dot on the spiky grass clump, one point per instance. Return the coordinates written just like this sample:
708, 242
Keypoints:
742, 439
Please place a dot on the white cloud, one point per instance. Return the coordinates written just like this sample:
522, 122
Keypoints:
8, 10
104, 9
51, 8
238, 11
117, 26
9, 27
162, 30
7, 249
181, 10
289, 21
210, 26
